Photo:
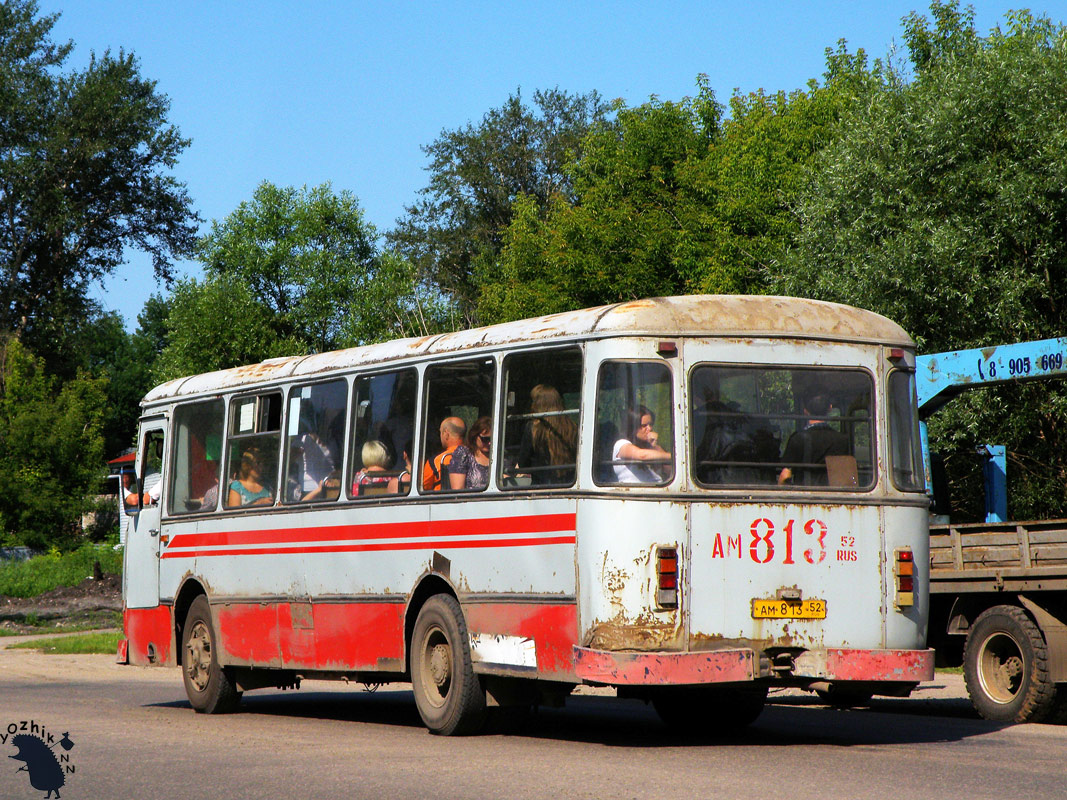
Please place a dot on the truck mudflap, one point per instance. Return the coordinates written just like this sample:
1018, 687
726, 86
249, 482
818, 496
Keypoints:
741, 664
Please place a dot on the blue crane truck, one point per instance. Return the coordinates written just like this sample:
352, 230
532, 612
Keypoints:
998, 588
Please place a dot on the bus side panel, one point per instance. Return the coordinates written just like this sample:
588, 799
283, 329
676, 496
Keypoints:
617, 569
907, 627
328, 636
524, 637
149, 631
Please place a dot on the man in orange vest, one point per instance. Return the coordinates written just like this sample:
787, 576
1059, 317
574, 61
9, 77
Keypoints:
453, 431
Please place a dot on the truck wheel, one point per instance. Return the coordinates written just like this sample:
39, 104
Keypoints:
208, 684
449, 696
1005, 666
707, 711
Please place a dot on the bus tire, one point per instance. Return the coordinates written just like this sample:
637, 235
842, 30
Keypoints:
449, 696
709, 710
209, 685
1005, 666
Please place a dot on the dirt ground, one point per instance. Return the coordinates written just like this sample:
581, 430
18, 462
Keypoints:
91, 603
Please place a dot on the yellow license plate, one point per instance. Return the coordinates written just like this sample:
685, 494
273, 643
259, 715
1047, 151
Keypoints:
789, 609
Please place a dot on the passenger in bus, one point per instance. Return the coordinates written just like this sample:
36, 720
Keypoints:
452, 431
643, 445
248, 489
549, 440
811, 445
373, 478
728, 452
400, 484
207, 501
318, 461
469, 467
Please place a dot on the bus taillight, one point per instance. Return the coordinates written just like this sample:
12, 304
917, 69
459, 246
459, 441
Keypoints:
904, 577
667, 585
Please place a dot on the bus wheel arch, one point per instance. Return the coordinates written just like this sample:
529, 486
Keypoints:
189, 591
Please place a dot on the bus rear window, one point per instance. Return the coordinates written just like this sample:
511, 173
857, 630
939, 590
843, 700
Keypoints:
775, 426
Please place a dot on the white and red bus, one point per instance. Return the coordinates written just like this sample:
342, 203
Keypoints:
691, 499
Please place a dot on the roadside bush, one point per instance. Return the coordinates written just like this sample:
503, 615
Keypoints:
46, 572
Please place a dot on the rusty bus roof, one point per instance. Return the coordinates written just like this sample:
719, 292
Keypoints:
757, 316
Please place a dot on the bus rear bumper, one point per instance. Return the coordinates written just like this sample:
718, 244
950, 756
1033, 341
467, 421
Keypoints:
742, 664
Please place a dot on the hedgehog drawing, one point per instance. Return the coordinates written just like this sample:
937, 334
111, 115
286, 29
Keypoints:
40, 762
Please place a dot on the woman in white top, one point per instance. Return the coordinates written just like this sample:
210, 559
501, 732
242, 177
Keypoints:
642, 446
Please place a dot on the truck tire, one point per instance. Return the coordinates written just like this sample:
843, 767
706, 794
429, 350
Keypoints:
1005, 666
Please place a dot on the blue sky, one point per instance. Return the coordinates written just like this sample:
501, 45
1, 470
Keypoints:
346, 92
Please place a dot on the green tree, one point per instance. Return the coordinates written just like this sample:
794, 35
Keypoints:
292, 271
218, 323
456, 230
941, 205
84, 172
671, 199
51, 449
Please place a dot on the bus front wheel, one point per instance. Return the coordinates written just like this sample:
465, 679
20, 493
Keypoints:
208, 684
1005, 666
449, 696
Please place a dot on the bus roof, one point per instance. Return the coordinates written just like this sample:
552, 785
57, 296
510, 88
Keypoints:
758, 316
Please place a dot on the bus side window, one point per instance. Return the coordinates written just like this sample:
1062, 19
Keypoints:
314, 440
634, 436
383, 424
252, 451
194, 482
542, 392
459, 401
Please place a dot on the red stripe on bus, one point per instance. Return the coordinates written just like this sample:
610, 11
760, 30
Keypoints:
380, 546
536, 523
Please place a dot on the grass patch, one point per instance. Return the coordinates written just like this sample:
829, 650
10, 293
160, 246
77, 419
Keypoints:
108, 619
44, 573
94, 643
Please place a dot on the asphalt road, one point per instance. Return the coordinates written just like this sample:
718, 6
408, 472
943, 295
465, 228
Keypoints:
135, 736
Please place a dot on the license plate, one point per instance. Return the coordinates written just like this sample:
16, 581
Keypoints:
789, 609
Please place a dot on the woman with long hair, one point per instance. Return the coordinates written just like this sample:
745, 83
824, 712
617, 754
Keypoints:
550, 439
643, 445
247, 488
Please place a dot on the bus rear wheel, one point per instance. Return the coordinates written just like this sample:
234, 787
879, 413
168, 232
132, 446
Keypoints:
1005, 666
449, 696
709, 710
208, 684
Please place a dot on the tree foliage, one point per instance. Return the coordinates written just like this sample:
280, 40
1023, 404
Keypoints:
941, 204
455, 230
84, 172
670, 199
292, 271
51, 449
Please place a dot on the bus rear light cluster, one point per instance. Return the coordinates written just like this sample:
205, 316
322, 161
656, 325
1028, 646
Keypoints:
904, 577
667, 581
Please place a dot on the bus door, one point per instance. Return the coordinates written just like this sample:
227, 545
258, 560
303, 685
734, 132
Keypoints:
141, 569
